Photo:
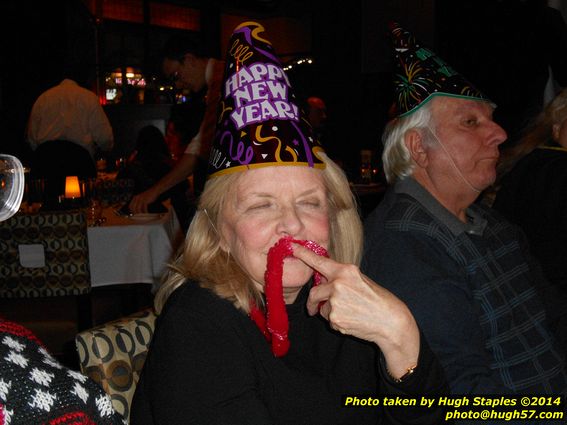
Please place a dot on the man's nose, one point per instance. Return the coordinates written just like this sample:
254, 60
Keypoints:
497, 134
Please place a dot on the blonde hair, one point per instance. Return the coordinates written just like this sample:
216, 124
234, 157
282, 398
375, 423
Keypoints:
201, 259
538, 132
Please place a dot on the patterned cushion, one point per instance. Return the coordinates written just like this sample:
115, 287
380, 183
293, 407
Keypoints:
36, 389
113, 355
44, 255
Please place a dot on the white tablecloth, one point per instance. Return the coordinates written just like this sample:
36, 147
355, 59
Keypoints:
125, 250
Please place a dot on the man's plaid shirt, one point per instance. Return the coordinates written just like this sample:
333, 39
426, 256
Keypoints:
471, 288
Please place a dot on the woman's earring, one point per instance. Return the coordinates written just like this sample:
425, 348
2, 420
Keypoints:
211, 222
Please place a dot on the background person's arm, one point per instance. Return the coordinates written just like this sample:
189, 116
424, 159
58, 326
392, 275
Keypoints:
182, 169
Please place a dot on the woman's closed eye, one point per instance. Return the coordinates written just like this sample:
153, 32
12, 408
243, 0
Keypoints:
311, 203
259, 206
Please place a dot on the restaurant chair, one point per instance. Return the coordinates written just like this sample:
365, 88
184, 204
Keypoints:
114, 353
44, 268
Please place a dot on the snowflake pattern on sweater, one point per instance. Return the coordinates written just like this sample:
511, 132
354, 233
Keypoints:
36, 389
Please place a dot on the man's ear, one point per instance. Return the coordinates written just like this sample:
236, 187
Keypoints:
414, 144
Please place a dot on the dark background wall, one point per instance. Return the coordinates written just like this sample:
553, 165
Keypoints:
503, 46
506, 48
33, 45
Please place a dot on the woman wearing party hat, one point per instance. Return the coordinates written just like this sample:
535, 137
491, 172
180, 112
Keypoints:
264, 318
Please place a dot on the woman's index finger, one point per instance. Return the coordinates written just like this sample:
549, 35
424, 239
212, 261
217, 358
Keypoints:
322, 264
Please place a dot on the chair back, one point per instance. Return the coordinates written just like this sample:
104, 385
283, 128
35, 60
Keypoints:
54, 160
44, 255
114, 353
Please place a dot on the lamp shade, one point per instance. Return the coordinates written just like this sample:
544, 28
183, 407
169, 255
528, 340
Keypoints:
72, 188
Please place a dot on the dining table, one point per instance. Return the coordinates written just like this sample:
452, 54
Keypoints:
136, 248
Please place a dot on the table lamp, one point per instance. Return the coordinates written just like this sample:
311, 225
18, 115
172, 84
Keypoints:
72, 188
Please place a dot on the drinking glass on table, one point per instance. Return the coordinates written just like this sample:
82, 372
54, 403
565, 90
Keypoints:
93, 204
32, 199
35, 193
94, 213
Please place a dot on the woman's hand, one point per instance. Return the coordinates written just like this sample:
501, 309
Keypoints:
355, 305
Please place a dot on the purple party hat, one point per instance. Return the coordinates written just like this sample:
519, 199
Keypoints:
259, 121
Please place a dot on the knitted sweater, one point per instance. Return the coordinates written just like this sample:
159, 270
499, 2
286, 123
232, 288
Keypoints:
36, 389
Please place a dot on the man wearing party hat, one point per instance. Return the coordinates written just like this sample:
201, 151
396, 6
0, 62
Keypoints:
245, 332
464, 272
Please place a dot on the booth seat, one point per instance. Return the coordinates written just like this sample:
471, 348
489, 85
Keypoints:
113, 355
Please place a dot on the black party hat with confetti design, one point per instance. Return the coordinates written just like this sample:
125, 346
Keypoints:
420, 75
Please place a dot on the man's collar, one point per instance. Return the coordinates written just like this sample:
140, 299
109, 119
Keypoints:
476, 222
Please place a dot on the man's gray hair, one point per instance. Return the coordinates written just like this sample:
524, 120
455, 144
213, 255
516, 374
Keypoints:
396, 157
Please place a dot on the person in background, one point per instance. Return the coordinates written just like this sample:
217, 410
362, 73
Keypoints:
173, 141
183, 124
465, 272
532, 193
149, 162
316, 113
217, 356
189, 67
66, 126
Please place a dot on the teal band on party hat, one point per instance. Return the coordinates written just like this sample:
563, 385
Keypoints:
259, 121
420, 75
